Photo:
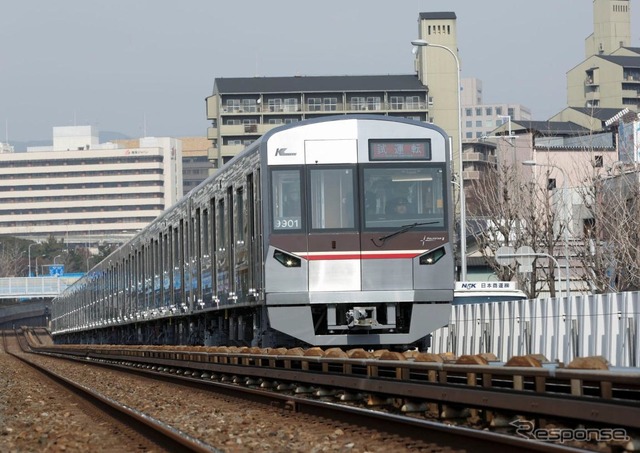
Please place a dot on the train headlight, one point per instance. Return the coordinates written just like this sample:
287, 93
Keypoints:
286, 260
432, 257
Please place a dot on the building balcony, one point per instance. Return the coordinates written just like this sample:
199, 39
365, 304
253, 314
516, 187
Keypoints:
245, 129
592, 96
322, 109
479, 157
471, 175
212, 133
231, 150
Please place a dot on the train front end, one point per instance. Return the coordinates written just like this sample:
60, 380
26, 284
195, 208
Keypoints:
358, 238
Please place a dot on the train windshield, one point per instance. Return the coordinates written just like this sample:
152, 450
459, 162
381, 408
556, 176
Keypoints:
400, 195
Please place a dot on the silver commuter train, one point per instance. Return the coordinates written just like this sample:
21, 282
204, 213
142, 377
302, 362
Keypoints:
334, 231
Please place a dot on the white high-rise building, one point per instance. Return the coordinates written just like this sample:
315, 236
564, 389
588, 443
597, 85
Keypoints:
85, 191
479, 119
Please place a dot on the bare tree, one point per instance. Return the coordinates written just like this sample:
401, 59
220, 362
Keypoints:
608, 245
12, 259
509, 211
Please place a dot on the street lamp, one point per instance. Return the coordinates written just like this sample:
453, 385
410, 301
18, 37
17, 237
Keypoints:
54, 259
463, 220
37, 263
533, 255
30, 245
533, 163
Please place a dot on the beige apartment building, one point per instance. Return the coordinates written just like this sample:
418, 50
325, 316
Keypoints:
83, 191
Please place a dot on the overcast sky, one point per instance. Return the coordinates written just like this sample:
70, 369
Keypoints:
121, 65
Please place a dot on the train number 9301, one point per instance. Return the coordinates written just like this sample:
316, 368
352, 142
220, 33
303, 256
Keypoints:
287, 223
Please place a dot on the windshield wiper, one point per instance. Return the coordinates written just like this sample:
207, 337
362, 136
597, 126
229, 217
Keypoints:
403, 229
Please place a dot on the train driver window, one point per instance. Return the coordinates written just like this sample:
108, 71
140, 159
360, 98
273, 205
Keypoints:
395, 196
286, 200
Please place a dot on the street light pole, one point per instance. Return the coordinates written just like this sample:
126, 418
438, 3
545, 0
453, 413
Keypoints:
37, 266
533, 163
30, 245
532, 255
463, 219
54, 259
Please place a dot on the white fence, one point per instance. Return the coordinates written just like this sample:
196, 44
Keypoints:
27, 287
596, 325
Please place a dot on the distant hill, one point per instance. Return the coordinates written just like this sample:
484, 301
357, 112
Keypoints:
106, 136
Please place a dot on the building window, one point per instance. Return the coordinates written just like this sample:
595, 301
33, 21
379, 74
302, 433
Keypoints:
314, 104
413, 102
396, 102
598, 163
510, 112
275, 105
290, 105
468, 112
478, 111
249, 105
479, 123
488, 111
358, 103
469, 135
551, 183
373, 103
233, 105
478, 134
498, 110
469, 124
330, 104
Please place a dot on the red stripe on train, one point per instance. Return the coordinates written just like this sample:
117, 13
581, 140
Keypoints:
357, 256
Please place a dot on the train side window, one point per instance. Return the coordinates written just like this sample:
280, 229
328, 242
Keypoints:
331, 198
286, 200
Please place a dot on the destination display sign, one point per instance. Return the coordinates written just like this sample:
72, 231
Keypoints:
400, 149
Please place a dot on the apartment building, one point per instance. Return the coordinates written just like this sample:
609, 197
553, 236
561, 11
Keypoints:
243, 109
85, 191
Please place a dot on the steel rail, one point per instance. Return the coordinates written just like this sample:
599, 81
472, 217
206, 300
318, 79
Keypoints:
156, 431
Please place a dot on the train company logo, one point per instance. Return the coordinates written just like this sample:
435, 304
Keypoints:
527, 429
283, 152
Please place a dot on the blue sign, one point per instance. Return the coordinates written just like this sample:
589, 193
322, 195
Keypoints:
56, 270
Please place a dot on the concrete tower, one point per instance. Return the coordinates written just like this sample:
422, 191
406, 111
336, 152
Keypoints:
611, 27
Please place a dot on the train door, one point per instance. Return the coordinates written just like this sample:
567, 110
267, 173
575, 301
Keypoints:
222, 260
254, 222
334, 243
241, 244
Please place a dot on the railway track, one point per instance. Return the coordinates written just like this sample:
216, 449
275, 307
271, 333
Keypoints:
410, 397
137, 428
